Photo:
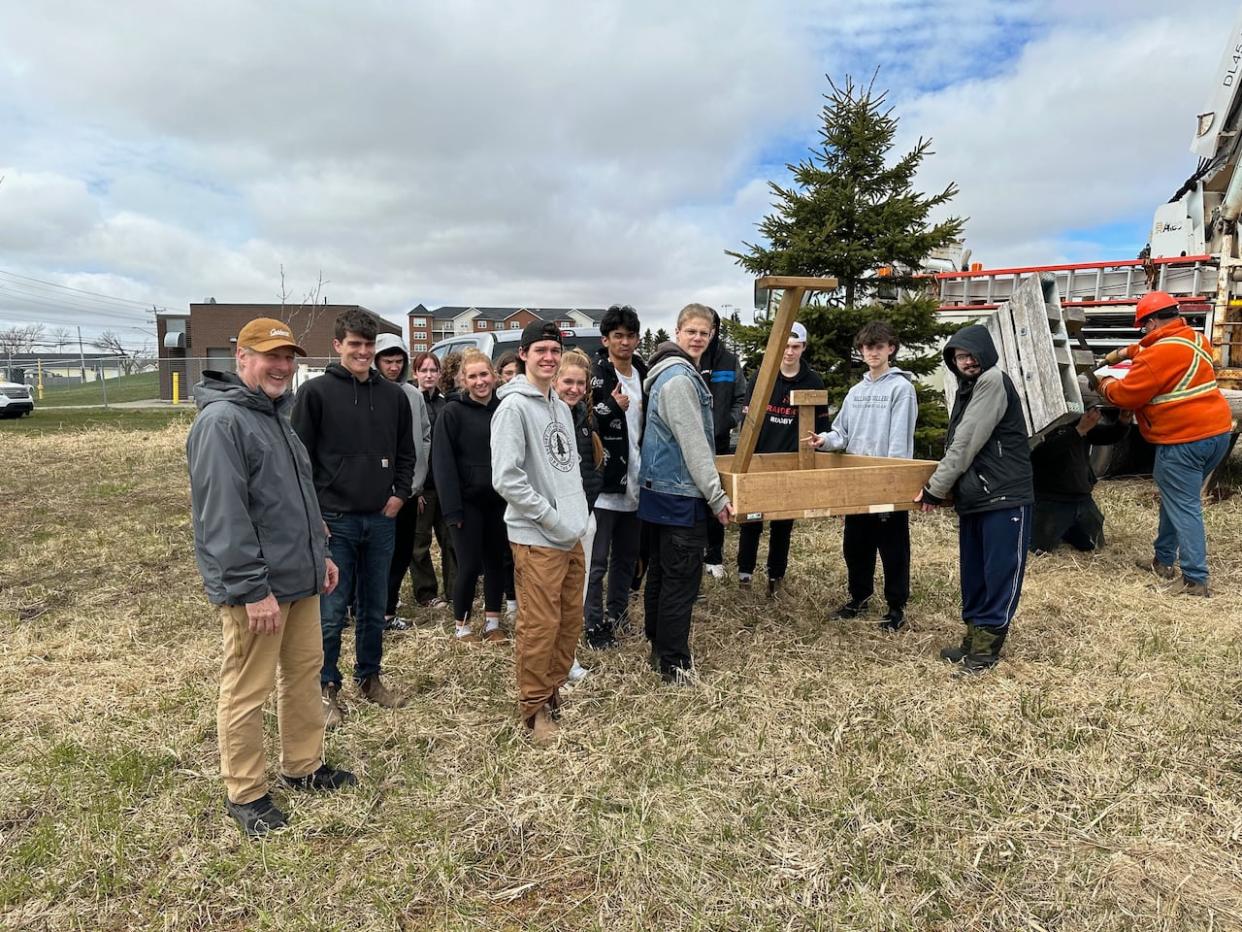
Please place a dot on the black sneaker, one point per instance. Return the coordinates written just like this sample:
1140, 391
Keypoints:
325, 778
893, 620
601, 638
396, 623
256, 818
850, 609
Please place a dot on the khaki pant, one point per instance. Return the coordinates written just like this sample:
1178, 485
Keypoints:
549, 622
290, 660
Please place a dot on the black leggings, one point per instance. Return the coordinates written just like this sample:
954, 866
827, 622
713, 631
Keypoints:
480, 544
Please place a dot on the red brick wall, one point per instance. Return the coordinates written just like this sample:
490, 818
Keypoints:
215, 326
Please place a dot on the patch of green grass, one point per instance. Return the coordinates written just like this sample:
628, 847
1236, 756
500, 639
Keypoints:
46, 421
139, 387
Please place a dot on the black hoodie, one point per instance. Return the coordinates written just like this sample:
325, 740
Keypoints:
779, 433
987, 461
360, 437
461, 455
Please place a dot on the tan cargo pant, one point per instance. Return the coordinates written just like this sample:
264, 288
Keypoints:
549, 622
253, 664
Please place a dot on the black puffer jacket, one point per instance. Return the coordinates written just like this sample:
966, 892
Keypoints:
987, 462
592, 478
461, 455
610, 420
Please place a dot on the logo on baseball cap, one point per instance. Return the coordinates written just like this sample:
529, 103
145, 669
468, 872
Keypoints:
264, 334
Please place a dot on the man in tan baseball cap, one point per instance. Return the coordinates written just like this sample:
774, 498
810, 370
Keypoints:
264, 334
261, 546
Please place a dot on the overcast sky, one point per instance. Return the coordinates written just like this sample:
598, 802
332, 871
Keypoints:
548, 153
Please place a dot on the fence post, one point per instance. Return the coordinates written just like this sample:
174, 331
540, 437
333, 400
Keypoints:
176, 387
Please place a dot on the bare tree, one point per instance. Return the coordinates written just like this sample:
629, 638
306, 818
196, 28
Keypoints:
302, 316
21, 339
113, 345
60, 337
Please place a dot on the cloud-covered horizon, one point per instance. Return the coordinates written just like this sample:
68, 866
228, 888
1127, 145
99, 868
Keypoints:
550, 154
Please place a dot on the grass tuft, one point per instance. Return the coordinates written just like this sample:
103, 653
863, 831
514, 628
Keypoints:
821, 775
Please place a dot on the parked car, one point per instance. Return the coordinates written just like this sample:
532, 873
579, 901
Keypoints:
15, 400
496, 342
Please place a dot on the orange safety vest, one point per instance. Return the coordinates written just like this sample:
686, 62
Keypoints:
1172, 386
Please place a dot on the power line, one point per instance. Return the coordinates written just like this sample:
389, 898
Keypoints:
69, 301
16, 300
93, 294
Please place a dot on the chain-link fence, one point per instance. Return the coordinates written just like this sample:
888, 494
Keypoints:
64, 381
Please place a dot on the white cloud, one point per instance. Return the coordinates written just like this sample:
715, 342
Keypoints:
545, 152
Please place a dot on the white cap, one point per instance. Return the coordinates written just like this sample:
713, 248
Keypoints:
798, 333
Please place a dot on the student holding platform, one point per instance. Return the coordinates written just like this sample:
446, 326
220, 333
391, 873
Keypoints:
876, 419
778, 434
679, 488
617, 397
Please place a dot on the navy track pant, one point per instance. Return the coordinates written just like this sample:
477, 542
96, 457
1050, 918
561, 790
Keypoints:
993, 547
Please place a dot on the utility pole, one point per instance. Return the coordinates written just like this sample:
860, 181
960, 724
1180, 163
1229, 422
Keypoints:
82, 355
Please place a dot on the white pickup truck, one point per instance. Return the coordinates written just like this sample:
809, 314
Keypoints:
15, 399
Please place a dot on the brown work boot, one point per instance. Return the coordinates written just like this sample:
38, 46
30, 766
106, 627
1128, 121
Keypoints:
1163, 570
373, 689
543, 728
1186, 587
333, 711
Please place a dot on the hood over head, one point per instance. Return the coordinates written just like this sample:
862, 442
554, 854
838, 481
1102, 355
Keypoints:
975, 340
385, 343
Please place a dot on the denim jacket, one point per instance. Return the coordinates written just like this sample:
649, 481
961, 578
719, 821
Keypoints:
664, 467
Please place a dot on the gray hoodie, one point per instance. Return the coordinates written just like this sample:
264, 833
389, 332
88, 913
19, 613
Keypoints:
418, 410
257, 526
535, 467
877, 417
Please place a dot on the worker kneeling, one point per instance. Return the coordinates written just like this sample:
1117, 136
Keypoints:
1172, 387
1064, 509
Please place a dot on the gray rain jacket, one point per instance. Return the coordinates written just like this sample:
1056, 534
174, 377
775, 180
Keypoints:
257, 527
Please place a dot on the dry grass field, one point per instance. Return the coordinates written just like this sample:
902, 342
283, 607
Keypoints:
821, 775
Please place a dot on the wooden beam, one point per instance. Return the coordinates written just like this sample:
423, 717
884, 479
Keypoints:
782, 326
805, 282
808, 396
806, 424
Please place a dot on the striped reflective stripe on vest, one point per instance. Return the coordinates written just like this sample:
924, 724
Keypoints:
1180, 391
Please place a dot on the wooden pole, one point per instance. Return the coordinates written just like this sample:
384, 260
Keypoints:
791, 300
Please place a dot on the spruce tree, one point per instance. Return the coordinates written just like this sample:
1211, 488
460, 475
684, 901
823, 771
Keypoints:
853, 213
646, 346
661, 336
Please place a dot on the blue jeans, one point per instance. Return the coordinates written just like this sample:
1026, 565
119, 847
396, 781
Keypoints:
1181, 469
361, 547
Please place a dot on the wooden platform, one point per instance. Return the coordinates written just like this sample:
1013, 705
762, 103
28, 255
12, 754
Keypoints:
774, 488
1035, 340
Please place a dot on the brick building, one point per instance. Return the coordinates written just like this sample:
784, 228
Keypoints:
206, 336
427, 326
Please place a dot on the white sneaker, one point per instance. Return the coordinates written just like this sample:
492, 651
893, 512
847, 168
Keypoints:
577, 672
715, 570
